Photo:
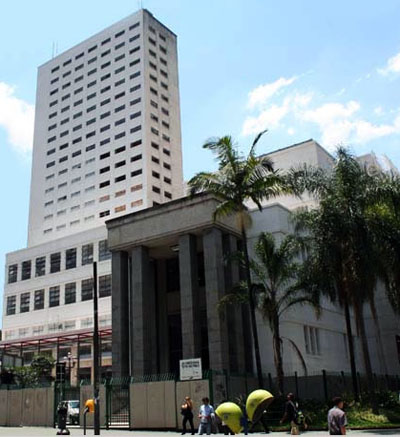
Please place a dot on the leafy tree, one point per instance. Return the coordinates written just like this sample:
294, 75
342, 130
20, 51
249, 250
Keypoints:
279, 273
239, 180
344, 257
38, 371
42, 366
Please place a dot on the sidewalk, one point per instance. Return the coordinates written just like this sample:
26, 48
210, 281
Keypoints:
39, 431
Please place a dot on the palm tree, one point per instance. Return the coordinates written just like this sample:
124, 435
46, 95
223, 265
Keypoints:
280, 286
239, 180
343, 251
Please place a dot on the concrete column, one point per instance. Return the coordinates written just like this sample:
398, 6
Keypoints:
143, 314
215, 289
120, 314
189, 295
234, 312
162, 307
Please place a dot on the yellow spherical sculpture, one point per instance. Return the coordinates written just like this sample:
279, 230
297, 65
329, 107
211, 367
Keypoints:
230, 414
89, 404
257, 402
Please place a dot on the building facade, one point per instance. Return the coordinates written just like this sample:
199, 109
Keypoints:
107, 129
107, 141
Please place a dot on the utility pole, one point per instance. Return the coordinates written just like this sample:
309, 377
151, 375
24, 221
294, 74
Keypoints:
96, 353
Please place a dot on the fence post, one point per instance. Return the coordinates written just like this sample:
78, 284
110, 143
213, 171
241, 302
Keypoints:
387, 381
106, 392
296, 384
325, 384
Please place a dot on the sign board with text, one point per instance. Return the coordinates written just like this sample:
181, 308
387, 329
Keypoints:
190, 369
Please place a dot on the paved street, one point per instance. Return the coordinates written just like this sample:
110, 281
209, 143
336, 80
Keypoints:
38, 431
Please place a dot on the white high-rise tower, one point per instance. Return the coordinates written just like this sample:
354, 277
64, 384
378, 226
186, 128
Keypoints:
107, 129
107, 142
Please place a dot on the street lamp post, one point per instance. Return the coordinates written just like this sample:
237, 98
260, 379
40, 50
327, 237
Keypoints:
71, 364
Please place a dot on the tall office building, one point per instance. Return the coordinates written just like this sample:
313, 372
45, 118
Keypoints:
107, 141
107, 129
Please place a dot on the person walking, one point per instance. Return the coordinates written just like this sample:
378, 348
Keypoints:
187, 414
206, 415
291, 414
337, 420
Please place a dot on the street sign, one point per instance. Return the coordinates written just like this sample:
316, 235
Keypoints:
190, 369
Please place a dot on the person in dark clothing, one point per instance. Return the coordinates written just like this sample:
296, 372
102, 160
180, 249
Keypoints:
187, 413
263, 419
291, 414
337, 418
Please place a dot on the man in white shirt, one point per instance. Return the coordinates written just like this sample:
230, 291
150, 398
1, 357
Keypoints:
206, 415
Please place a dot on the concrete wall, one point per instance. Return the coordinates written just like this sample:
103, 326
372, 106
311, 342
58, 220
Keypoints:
27, 407
86, 393
152, 405
196, 390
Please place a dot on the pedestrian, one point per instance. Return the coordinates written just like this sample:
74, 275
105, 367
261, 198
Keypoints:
291, 414
206, 415
337, 420
187, 414
244, 422
263, 419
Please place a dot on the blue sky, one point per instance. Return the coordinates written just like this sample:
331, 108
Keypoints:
326, 70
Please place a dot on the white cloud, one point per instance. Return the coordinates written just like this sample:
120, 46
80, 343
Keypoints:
378, 110
272, 115
269, 118
16, 118
338, 124
392, 66
261, 94
328, 112
291, 131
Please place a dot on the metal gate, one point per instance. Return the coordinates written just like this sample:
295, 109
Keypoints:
117, 403
64, 392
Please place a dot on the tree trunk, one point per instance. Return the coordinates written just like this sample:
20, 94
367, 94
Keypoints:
351, 350
252, 310
276, 337
359, 314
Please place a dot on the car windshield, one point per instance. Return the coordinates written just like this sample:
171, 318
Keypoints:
74, 404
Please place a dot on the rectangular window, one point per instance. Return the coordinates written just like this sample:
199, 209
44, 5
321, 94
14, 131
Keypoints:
12, 273
70, 258
70, 293
104, 184
39, 300
136, 143
87, 254
136, 173
105, 286
11, 305
104, 213
55, 262
156, 189
120, 178
311, 340
40, 266
87, 289
26, 270
136, 158
104, 253
120, 149
24, 302
54, 296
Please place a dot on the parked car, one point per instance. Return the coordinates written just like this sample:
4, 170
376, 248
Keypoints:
73, 412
